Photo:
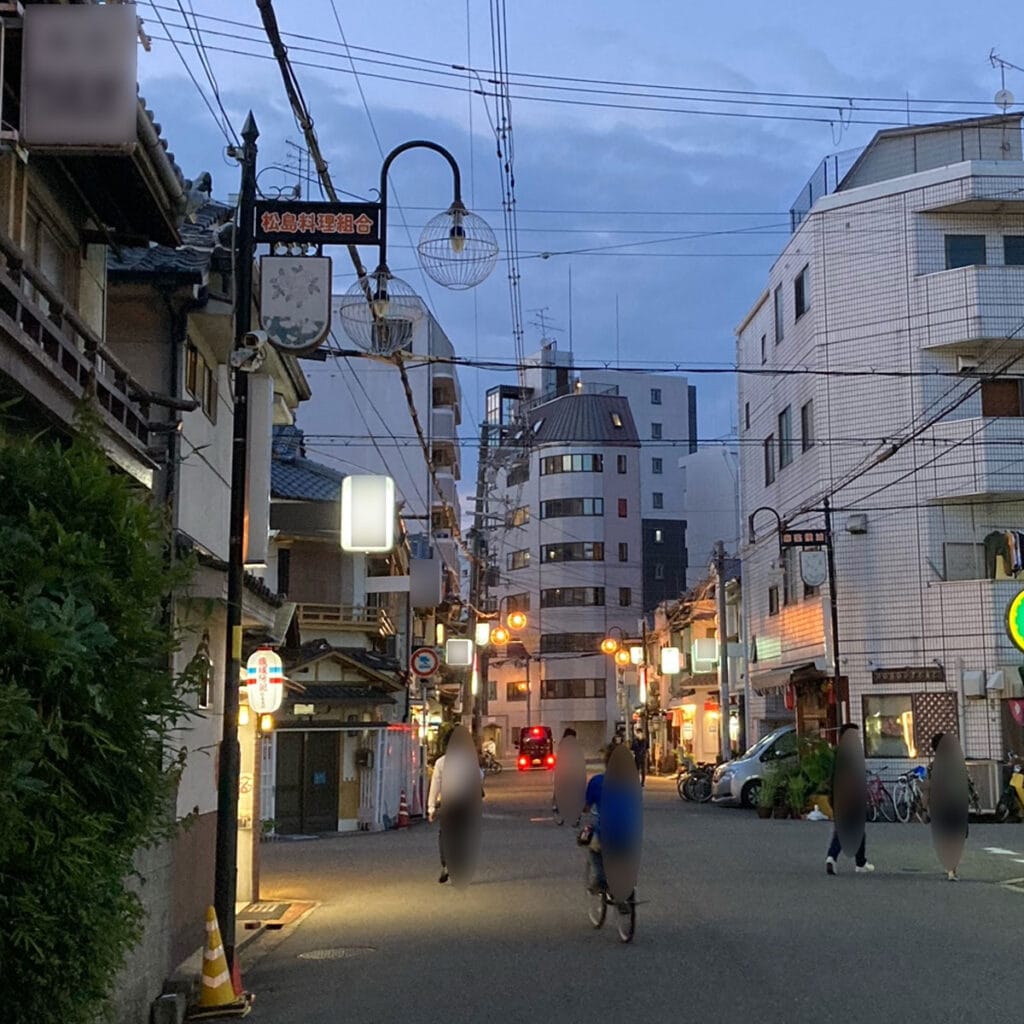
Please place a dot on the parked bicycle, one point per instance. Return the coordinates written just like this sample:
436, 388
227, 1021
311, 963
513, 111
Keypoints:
694, 782
909, 799
880, 801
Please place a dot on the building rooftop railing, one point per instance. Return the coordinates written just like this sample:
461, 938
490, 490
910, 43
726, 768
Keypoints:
823, 182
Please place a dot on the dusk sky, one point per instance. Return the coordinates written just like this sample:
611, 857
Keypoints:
631, 184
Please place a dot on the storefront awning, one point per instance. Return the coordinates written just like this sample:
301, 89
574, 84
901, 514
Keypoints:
763, 683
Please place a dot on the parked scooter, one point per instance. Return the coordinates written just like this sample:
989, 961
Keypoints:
1011, 803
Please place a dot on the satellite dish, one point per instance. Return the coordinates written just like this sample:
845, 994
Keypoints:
1004, 99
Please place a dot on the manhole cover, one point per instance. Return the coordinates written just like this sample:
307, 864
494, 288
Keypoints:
337, 953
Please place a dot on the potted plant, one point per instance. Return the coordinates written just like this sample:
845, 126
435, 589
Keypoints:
817, 759
796, 793
768, 794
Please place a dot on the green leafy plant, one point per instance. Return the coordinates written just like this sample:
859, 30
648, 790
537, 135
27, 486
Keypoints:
87, 706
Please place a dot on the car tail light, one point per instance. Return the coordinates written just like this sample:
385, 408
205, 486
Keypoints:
524, 762
551, 759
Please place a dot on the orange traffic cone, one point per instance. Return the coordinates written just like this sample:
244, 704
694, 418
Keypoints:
403, 812
218, 997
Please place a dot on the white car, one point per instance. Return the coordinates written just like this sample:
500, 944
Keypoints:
737, 781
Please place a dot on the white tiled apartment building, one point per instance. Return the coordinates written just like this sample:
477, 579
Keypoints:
899, 299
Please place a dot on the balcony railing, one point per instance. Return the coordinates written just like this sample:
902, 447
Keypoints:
967, 304
60, 342
348, 617
979, 456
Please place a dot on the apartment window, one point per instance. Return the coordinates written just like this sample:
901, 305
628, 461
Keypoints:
623, 551
785, 437
570, 643
802, 292
1013, 250
658, 499
492, 689
518, 474
517, 559
53, 253
516, 690
773, 600
656, 465
201, 381
577, 551
764, 349
571, 464
965, 251
769, 459
1000, 398
616, 420
620, 463
659, 571
807, 426
746, 415
571, 689
519, 516
517, 602
655, 396
659, 536
655, 431
780, 315
625, 597
559, 508
623, 508
572, 597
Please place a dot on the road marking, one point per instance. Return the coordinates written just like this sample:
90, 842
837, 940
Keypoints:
1018, 860
1000, 852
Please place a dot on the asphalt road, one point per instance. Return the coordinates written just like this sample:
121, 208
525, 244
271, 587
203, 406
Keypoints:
741, 923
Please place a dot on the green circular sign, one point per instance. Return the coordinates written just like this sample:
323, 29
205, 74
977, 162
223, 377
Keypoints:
1015, 621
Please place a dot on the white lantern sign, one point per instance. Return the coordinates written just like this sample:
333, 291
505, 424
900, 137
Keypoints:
265, 686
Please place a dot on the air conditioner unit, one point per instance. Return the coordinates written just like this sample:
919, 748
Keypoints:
974, 684
1005, 681
443, 535
966, 364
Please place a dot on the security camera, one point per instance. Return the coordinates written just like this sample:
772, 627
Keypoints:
252, 354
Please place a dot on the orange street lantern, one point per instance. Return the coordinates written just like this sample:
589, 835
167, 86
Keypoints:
499, 636
622, 657
609, 645
516, 620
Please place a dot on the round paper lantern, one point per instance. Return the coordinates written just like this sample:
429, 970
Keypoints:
265, 686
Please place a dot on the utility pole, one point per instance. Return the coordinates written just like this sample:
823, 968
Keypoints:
478, 582
834, 609
226, 867
723, 652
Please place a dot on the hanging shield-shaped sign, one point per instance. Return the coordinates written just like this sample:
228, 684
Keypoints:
813, 567
295, 301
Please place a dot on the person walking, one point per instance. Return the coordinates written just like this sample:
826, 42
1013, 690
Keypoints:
456, 772
842, 786
639, 748
569, 731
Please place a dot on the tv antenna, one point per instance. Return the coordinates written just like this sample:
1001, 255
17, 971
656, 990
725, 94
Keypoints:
541, 322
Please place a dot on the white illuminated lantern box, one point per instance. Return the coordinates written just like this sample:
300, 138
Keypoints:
459, 653
670, 663
368, 514
265, 685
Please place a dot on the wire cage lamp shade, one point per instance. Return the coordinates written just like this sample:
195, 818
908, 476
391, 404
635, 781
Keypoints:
383, 324
457, 248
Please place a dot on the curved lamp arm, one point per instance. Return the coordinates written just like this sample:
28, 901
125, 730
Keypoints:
750, 523
386, 166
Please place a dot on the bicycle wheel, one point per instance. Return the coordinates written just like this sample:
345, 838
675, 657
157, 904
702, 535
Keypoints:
688, 788
872, 807
680, 784
702, 789
886, 807
627, 918
901, 801
597, 902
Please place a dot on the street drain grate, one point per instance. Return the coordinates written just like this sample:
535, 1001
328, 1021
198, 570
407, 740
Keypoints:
337, 953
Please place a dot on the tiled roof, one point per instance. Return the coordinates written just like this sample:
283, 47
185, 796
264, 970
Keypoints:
190, 260
583, 417
293, 476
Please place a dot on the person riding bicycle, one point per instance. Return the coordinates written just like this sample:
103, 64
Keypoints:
617, 820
